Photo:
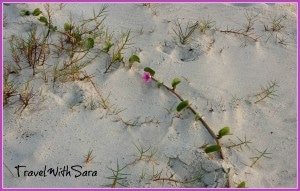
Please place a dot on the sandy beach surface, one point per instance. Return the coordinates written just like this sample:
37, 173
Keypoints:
78, 114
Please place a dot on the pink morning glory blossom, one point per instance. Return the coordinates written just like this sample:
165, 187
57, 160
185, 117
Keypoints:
146, 77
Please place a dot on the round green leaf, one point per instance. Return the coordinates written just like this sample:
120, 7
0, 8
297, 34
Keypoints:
134, 58
24, 12
90, 43
36, 12
182, 105
147, 69
212, 148
223, 132
175, 82
43, 20
242, 185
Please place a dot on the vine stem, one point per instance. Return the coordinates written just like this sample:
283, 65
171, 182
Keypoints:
214, 136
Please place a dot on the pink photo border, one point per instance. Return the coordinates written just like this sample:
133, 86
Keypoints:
150, 1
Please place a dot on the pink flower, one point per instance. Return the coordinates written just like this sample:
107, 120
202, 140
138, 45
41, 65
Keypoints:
146, 77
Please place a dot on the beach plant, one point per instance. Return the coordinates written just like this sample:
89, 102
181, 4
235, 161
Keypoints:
267, 91
171, 178
276, 24
275, 29
117, 176
206, 24
15, 51
36, 12
240, 32
108, 38
158, 177
43, 73
281, 40
76, 41
33, 48
262, 154
117, 54
136, 122
175, 82
145, 153
9, 89
25, 12
142, 176
133, 58
242, 185
185, 34
223, 132
82, 33
246, 32
148, 76
46, 19
212, 148
142, 151
89, 157
25, 97
114, 109
104, 102
251, 18
241, 143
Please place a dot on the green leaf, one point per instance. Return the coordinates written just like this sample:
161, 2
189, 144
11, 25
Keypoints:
242, 185
212, 148
159, 84
24, 12
147, 69
226, 171
182, 105
43, 20
53, 28
68, 27
90, 43
197, 117
223, 132
107, 47
134, 58
36, 12
175, 82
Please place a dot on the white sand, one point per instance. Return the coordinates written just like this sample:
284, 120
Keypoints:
59, 128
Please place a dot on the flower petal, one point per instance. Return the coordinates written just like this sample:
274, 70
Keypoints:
146, 76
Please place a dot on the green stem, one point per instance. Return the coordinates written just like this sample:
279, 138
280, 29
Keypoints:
200, 118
